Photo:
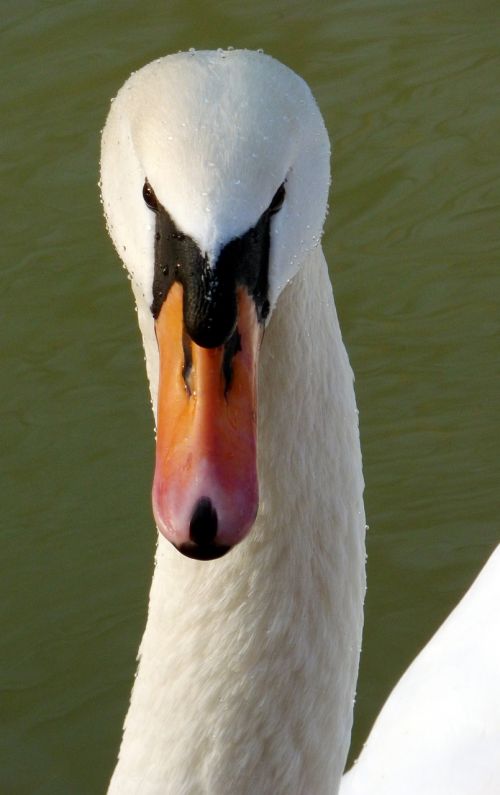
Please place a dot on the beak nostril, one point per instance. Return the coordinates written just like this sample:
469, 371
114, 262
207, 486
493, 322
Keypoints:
231, 348
204, 522
188, 362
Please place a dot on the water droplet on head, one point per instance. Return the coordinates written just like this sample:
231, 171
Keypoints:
192, 50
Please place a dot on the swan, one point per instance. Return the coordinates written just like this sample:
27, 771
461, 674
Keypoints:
214, 183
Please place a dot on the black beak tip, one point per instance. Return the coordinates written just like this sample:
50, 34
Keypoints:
202, 533
203, 551
204, 522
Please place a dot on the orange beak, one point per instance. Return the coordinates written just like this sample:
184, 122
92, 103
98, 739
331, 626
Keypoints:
205, 490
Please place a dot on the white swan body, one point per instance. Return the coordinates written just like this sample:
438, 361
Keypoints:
439, 731
248, 664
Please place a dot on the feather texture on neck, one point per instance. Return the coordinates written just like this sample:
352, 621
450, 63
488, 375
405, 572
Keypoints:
248, 664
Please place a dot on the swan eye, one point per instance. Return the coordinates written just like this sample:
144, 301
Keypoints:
149, 197
278, 199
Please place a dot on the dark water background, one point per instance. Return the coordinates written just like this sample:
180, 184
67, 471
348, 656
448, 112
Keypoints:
410, 93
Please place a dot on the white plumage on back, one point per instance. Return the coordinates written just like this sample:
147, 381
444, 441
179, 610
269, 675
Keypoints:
439, 731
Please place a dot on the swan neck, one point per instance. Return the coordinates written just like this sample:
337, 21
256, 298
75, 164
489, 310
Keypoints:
248, 664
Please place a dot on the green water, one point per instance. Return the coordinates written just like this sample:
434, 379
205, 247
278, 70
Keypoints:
410, 94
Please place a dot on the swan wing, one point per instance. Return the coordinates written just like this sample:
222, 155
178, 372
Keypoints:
439, 731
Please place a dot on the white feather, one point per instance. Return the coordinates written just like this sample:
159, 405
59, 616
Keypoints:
439, 731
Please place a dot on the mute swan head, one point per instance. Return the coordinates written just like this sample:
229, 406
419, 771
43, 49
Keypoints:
211, 227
